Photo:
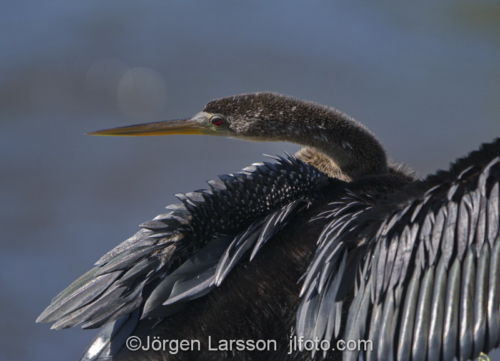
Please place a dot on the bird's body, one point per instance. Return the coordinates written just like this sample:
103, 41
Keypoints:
333, 243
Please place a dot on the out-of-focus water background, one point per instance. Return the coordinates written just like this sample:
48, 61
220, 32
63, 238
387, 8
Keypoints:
424, 77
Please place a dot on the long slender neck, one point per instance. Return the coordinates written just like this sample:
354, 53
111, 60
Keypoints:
335, 143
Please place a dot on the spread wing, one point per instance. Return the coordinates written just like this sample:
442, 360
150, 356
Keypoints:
423, 268
183, 254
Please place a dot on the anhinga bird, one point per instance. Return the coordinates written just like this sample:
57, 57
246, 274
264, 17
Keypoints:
332, 243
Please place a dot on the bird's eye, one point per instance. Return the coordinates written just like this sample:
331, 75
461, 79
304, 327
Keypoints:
217, 121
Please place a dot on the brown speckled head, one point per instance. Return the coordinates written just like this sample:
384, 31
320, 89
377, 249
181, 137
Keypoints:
268, 116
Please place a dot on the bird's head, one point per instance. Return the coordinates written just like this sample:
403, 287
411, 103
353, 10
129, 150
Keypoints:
263, 116
335, 139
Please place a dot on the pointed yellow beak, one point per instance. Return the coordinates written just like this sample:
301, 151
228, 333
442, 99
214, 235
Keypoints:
170, 127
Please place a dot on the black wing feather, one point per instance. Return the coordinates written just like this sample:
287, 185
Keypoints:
429, 267
111, 338
185, 253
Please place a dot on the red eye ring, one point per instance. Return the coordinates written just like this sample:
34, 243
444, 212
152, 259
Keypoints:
217, 121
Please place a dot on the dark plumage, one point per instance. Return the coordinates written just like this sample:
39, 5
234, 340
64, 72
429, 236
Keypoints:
333, 243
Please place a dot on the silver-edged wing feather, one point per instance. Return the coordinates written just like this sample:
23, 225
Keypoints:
427, 262
183, 254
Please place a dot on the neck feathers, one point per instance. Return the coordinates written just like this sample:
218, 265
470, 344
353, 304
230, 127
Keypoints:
335, 143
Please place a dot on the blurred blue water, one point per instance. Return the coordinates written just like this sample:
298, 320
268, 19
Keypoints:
424, 77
